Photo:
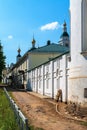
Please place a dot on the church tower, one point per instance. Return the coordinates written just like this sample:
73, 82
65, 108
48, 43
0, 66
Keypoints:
33, 44
78, 50
64, 38
18, 56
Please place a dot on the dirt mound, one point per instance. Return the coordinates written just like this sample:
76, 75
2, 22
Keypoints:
76, 110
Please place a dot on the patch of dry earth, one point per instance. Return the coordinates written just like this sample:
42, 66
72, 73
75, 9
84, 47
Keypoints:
42, 113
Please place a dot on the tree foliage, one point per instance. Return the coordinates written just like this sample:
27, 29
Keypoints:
2, 60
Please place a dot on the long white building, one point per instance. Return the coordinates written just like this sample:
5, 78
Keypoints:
65, 69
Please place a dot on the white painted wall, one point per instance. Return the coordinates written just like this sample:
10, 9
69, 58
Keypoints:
84, 25
48, 78
78, 65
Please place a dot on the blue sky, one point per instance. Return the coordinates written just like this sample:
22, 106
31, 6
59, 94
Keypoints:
20, 19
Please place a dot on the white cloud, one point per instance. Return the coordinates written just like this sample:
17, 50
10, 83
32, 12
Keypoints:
10, 37
50, 26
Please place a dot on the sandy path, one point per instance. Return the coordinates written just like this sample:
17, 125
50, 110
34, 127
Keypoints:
42, 114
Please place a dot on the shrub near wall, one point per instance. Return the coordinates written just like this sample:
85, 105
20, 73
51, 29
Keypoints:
7, 117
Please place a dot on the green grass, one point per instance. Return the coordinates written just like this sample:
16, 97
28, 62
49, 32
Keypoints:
7, 117
84, 123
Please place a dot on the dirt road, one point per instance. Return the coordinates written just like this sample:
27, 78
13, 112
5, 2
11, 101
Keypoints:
42, 114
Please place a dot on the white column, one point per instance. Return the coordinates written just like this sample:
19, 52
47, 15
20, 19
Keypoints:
52, 81
43, 78
78, 65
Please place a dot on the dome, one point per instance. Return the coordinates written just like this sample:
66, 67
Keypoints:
33, 41
64, 34
18, 55
19, 50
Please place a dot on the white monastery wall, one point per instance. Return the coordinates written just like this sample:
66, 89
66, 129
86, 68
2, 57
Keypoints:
78, 65
48, 78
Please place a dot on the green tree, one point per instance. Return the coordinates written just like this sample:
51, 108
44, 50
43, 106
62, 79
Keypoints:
2, 60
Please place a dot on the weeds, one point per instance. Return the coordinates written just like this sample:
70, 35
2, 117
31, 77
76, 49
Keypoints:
7, 117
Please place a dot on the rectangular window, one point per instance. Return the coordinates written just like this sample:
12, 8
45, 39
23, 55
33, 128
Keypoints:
85, 92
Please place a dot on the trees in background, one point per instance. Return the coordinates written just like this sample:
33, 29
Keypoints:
2, 60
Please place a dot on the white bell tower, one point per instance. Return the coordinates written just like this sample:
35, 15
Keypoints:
78, 50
